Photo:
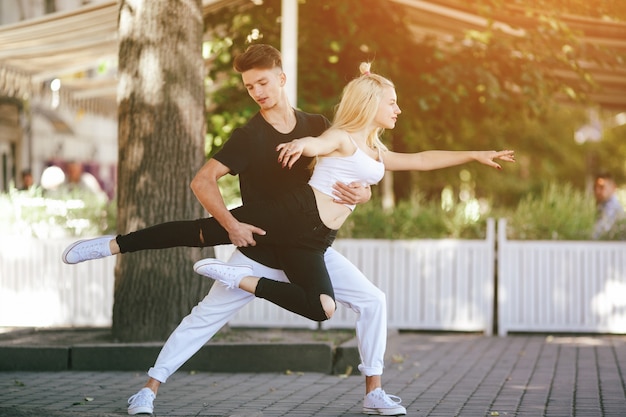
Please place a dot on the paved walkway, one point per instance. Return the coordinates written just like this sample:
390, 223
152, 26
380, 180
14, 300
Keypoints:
435, 374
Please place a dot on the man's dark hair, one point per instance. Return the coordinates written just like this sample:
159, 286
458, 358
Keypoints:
605, 176
259, 56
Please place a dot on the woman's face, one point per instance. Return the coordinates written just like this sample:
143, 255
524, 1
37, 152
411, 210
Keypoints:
388, 109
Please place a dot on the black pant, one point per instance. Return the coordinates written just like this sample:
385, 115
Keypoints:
294, 231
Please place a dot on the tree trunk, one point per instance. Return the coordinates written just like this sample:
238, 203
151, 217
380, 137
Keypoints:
161, 146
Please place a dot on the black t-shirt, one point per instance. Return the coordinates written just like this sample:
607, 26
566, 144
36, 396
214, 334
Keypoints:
251, 153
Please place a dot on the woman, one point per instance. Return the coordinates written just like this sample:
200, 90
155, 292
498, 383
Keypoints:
304, 223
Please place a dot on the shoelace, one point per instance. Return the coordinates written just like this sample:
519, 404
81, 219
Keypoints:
142, 398
388, 399
394, 398
92, 249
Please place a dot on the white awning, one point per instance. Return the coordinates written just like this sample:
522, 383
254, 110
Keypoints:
84, 58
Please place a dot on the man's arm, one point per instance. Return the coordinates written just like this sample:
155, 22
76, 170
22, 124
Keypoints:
205, 188
353, 193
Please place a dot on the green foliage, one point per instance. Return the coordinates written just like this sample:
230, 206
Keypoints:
560, 212
31, 213
417, 218
557, 212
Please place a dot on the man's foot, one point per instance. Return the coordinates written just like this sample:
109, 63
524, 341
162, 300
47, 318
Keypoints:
378, 403
230, 275
87, 249
141, 403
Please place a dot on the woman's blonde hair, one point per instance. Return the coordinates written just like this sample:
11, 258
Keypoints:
359, 103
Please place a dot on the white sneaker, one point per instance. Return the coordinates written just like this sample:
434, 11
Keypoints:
230, 275
379, 403
141, 403
87, 249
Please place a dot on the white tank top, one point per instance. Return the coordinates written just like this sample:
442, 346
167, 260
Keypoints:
358, 167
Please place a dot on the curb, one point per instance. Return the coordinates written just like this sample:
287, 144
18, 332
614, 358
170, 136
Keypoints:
214, 357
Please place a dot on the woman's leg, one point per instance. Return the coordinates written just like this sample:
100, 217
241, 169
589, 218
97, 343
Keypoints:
183, 233
309, 292
186, 233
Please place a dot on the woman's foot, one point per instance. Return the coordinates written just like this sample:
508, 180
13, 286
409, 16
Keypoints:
87, 249
230, 275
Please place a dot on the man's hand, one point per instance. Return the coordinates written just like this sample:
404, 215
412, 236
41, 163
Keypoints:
242, 234
353, 193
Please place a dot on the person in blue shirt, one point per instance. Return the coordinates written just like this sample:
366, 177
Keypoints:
609, 210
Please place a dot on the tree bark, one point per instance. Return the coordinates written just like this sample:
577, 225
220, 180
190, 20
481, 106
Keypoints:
161, 146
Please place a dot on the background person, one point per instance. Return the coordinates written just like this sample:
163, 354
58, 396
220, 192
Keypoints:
80, 184
608, 208
28, 180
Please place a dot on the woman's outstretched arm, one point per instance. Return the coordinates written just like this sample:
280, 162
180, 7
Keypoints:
431, 160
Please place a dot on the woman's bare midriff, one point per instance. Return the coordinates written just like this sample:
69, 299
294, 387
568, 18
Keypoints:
333, 215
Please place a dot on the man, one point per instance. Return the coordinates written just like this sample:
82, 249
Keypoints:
251, 153
609, 209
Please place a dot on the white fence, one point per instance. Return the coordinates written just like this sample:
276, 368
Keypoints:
442, 284
430, 284
447, 284
37, 289
561, 286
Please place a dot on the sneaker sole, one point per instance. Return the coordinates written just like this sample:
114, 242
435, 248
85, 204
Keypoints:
204, 262
383, 412
140, 410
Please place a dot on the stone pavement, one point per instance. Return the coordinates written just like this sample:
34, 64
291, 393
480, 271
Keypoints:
436, 374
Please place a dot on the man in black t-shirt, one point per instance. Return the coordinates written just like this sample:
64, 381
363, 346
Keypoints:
251, 153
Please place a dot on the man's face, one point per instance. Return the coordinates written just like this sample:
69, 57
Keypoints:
264, 86
603, 188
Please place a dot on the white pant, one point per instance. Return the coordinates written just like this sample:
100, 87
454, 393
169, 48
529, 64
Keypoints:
352, 289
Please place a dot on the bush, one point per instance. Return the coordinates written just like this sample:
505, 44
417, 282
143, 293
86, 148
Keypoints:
31, 213
416, 219
560, 212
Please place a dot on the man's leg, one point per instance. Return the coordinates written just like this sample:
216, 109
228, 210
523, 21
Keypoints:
356, 292
205, 319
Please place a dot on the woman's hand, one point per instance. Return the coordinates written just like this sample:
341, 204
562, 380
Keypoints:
487, 157
290, 152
